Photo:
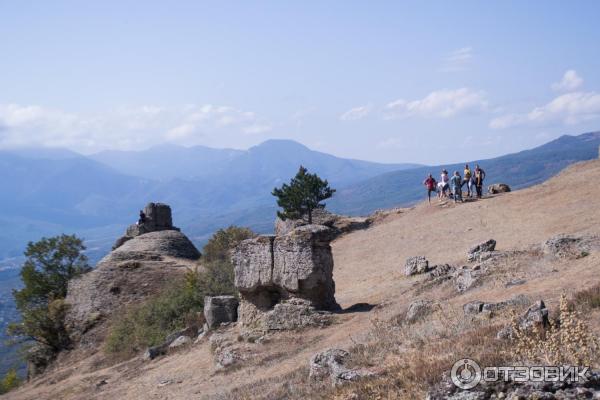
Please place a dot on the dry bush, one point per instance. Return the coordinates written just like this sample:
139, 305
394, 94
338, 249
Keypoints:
588, 298
567, 341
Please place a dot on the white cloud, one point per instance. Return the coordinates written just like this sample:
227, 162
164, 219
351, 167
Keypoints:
356, 113
458, 60
569, 108
569, 82
439, 104
126, 128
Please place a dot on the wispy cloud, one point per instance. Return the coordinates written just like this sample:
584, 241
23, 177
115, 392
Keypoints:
569, 109
438, 104
356, 113
124, 128
458, 60
569, 82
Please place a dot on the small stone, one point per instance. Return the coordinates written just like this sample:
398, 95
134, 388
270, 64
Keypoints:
180, 341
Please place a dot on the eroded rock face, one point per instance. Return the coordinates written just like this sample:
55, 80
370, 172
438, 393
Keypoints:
272, 269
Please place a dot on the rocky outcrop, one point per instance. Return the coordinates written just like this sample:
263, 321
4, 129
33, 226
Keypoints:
219, 310
535, 316
338, 223
158, 218
475, 252
271, 269
137, 269
416, 265
330, 364
498, 188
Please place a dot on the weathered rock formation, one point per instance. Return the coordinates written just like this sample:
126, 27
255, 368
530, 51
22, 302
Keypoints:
158, 218
535, 316
138, 268
419, 309
272, 269
569, 246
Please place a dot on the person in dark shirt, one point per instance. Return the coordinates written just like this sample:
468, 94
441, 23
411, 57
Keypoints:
142, 219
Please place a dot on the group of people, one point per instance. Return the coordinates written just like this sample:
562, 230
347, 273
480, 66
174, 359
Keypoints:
452, 186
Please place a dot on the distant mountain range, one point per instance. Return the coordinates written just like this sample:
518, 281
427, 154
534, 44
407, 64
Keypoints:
56, 190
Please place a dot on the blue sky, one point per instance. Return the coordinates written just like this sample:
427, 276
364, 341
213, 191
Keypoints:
428, 82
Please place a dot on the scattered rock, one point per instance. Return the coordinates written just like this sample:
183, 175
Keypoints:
219, 310
180, 341
416, 265
476, 307
498, 188
329, 364
474, 252
419, 309
225, 358
465, 279
566, 246
473, 307
514, 282
295, 314
152, 352
535, 316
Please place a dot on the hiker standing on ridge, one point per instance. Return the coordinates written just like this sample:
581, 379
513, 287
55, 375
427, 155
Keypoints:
430, 184
443, 185
479, 178
456, 183
467, 180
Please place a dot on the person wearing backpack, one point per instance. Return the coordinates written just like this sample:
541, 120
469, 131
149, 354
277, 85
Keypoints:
430, 184
479, 178
456, 183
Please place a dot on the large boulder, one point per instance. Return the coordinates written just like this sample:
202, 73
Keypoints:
219, 310
536, 316
271, 269
419, 309
498, 188
569, 246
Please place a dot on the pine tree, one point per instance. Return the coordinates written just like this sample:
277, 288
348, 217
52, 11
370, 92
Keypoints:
304, 194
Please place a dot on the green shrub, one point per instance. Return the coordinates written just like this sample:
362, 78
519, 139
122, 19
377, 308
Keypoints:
149, 323
9, 381
219, 245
